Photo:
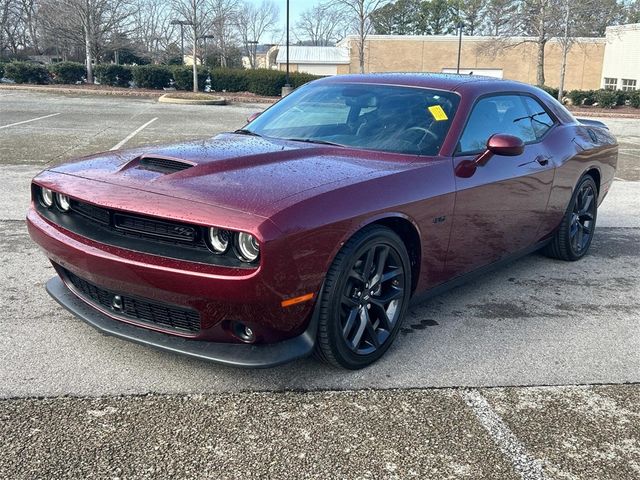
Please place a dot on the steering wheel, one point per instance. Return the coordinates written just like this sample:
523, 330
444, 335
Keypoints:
424, 131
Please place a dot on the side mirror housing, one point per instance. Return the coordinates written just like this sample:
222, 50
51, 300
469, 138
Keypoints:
253, 116
498, 144
507, 145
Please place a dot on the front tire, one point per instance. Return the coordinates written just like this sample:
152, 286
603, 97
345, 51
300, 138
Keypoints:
572, 239
365, 296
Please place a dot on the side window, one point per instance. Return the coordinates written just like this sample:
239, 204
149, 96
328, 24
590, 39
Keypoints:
541, 122
497, 114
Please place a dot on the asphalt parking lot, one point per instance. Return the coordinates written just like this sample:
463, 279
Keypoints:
530, 372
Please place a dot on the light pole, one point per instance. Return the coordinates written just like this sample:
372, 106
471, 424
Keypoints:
182, 23
459, 46
252, 48
287, 86
205, 38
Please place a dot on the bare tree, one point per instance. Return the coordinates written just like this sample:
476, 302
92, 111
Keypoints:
198, 15
359, 13
320, 25
253, 22
153, 29
90, 22
223, 25
585, 19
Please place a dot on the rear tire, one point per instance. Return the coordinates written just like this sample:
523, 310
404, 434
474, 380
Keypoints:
572, 239
365, 296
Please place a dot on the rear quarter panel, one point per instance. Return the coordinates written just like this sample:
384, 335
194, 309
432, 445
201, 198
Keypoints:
584, 148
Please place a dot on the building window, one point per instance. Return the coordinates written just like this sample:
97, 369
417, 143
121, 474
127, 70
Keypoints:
610, 83
628, 84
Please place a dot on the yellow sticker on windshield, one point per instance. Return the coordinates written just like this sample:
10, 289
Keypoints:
438, 113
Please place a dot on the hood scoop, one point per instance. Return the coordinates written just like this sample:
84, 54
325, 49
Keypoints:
161, 164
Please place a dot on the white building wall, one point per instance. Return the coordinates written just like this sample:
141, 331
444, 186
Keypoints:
622, 54
318, 69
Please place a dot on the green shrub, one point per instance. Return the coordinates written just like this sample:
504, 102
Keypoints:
634, 99
230, 80
266, 82
550, 90
26, 72
606, 98
1, 70
259, 81
590, 97
621, 97
183, 77
114, 75
298, 78
577, 96
152, 76
67, 72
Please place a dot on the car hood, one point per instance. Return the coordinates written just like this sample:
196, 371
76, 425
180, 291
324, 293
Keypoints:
240, 172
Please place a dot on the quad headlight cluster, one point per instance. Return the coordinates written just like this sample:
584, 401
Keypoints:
49, 198
246, 245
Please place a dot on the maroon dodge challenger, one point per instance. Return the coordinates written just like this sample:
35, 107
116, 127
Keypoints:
313, 227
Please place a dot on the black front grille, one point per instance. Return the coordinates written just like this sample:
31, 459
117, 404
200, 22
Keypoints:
156, 228
141, 310
163, 165
92, 212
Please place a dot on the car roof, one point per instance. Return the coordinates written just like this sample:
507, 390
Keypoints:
439, 81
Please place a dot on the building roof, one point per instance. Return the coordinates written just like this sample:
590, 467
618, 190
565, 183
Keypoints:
314, 55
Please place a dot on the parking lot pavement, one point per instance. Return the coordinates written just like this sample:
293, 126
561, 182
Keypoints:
541, 433
534, 323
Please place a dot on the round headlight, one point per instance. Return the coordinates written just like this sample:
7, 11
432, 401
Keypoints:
219, 239
248, 247
63, 202
46, 196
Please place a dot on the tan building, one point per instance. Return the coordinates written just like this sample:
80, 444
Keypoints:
438, 53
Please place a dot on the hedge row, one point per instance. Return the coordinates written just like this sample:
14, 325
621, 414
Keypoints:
604, 98
261, 82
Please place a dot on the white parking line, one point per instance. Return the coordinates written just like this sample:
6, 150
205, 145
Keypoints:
133, 134
27, 121
527, 466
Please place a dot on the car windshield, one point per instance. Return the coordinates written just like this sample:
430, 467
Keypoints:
388, 118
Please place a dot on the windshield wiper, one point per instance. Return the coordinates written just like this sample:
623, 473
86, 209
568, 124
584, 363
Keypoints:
244, 131
313, 140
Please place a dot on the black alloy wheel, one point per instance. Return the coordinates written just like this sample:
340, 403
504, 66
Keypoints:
572, 239
364, 299
582, 219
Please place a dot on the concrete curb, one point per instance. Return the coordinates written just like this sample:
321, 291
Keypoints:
82, 91
229, 97
192, 101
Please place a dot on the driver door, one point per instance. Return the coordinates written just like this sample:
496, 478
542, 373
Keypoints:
499, 209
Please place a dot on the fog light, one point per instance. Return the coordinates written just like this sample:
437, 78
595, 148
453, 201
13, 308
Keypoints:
63, 202
243, 332
46, 196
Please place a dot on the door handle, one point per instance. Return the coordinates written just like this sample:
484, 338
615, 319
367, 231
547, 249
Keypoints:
542, 160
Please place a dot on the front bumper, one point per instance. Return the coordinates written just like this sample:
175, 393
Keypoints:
233, 354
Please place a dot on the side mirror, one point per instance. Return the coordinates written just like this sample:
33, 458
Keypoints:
253, 116
508, 145
498, 144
